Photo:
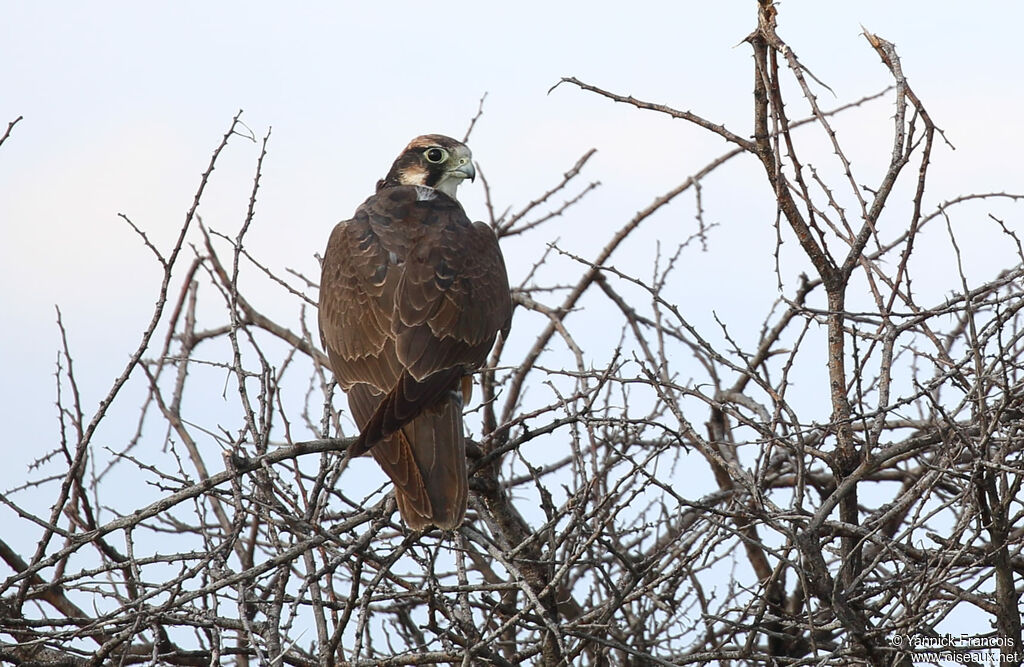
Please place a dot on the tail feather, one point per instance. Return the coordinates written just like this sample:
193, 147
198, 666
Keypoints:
425, 459
438, 447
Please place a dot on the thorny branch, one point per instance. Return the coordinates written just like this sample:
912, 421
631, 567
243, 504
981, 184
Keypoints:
679, 495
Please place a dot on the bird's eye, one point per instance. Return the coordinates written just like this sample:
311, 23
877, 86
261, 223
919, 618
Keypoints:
436, 155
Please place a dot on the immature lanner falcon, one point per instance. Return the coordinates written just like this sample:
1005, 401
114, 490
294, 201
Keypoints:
412, 297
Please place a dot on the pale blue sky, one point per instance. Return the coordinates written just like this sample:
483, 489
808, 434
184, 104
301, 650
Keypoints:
124, 102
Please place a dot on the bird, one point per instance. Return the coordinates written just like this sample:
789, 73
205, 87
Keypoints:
412, 297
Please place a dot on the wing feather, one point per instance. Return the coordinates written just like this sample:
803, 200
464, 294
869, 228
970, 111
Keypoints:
356, 295
453, 296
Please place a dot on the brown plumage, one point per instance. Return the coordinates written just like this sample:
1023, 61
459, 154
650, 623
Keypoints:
412, 297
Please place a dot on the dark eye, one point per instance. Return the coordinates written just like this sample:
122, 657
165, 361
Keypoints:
436, 155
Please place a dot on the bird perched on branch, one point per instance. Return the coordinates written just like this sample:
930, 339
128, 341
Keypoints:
412, 297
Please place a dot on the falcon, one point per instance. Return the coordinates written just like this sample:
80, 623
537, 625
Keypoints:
412, 297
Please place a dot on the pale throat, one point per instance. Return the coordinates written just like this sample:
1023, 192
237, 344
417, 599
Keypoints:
449, 184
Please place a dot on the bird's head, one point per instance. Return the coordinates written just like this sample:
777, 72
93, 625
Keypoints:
433, 160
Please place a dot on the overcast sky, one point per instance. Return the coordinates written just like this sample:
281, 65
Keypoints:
124, 102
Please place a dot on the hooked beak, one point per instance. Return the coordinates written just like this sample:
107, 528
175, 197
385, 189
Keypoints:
465, 169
